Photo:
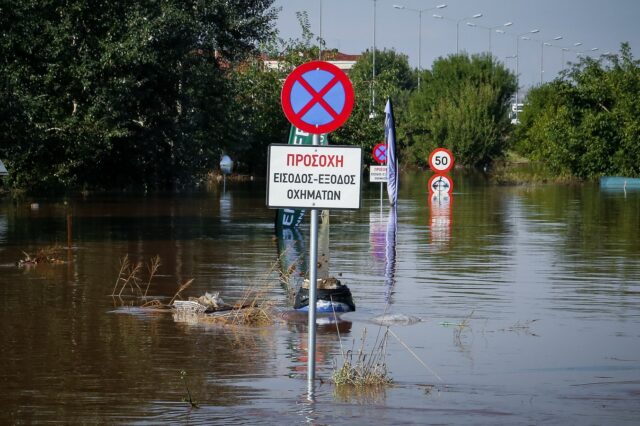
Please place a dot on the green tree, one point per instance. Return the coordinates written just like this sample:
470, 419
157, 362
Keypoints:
112, 94
585, 123
394, 79
462, 105
257, 117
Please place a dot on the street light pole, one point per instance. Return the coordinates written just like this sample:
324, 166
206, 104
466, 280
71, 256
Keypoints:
320, 36
476, 16
440, 6
518, 64
496, 27
542, 45
506, 24
419, 46
586, 52
564, 49
373, 79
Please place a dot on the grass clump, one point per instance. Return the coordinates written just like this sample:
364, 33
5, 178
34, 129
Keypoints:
130, 278
364, 369
253, 308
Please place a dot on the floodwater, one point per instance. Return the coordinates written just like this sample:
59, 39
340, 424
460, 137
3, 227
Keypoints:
529, 299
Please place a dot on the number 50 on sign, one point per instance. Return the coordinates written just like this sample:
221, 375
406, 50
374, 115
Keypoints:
441, 160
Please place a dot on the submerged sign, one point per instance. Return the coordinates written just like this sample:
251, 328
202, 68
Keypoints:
286, 218
317, 177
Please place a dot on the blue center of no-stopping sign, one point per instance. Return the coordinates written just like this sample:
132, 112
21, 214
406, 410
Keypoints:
317, 97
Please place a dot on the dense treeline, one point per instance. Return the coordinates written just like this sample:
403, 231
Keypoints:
585, 124
150, 94
113, 94
462, 105
135, 94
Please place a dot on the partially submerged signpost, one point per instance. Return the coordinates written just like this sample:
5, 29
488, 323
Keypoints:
226, 166
379, 173
317, 97
291, 218
440, 162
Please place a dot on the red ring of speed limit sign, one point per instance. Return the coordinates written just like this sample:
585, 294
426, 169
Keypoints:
441, 160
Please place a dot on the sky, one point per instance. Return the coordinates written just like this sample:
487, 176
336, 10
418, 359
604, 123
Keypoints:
348, 25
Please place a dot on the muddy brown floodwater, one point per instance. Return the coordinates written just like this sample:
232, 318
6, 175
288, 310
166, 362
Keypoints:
529, 300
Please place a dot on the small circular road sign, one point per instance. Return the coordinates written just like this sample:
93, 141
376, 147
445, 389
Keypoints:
380, 153
317, 97
440, 184
440, 160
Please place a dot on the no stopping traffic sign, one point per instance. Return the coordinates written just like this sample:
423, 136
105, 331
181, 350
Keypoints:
317, 97
380, 153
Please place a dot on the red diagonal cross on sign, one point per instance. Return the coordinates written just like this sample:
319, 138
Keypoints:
328, 107
318, 97
380, 153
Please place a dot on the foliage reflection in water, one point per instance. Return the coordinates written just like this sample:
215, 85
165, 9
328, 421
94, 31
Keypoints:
544, 279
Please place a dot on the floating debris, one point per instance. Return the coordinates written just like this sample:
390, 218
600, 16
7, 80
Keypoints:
331, 296
44, 256
211, 301
189, 307
396, 319
450, 324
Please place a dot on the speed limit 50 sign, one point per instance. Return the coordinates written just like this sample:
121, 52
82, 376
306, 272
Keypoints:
441, 160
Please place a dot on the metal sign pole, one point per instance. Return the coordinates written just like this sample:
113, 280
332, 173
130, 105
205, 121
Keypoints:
313, 265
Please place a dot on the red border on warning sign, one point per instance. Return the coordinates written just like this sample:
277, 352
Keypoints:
297, 76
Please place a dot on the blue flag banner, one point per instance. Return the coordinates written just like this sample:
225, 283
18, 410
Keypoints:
392, 160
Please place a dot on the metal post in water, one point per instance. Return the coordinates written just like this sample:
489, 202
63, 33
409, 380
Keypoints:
313, 265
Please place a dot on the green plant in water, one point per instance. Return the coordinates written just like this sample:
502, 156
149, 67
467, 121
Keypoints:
363, 369
188, 398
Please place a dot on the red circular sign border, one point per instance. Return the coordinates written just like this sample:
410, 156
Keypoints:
435, 175
373, 153
295, 75
433, 153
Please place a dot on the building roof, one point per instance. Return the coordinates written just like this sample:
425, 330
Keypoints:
343, 61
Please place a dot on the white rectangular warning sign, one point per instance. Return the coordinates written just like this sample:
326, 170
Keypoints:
313, 176
377, 174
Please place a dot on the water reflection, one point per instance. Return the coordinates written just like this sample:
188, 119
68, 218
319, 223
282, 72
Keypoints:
377, 236
328, 343
293, 259
561, 260
390, 253
3, 228
226, 207
440, 213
